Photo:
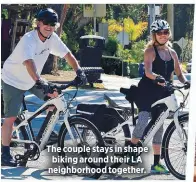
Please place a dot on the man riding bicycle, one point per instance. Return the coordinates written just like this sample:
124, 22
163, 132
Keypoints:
21, 72
160, 62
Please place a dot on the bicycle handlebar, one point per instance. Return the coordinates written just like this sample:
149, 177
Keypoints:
59, 88
169, 87
124, 91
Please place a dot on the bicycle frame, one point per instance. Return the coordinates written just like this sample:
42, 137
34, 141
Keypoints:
59, 103
170, 105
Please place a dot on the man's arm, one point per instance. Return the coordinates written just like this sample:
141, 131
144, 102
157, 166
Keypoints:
69, 57
32, 70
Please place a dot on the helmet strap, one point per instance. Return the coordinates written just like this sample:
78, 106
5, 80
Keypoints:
42, 34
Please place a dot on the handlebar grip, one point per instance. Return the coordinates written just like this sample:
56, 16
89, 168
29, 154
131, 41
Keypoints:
124, 91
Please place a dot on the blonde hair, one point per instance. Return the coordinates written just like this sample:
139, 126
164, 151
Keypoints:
153, 40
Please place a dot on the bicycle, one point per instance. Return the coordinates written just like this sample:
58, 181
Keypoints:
25, 146
161, 109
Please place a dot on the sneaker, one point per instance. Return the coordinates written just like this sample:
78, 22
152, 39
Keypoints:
159, 169
7, 160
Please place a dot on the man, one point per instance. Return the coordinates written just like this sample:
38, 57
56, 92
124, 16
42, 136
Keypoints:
22, 69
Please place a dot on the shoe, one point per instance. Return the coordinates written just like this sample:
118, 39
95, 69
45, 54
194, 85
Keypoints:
159, 169
7, 160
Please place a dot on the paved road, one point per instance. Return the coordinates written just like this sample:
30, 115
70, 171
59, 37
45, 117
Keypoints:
38, 169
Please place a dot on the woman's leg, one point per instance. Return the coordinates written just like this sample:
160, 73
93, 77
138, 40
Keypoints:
140, 126
156, 144
157, 167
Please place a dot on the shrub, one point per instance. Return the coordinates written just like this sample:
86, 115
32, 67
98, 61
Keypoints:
110, 64
137, 51
111, 46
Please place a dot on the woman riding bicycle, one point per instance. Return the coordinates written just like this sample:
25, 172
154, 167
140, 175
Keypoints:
160, 62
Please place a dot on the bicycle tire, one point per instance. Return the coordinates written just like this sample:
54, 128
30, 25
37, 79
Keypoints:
73, 121
166, 146
23, 136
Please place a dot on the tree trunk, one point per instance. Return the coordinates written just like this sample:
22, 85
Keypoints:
51, 66
59, 31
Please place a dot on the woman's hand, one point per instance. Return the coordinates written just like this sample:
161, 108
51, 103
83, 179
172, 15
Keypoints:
160, 80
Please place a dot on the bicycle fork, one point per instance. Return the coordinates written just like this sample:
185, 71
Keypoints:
67, 125
179, 128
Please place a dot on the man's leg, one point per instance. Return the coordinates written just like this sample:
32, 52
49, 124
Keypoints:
6, 130
12, 98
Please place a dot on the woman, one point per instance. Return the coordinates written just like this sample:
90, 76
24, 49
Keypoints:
160, 62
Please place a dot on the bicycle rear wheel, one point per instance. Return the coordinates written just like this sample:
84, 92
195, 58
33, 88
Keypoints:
92, 139
175, 149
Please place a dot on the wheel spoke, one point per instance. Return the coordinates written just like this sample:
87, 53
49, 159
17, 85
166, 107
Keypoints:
176, 150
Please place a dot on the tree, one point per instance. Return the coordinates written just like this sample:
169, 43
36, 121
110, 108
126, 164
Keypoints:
59, 31
51, 65
134, 30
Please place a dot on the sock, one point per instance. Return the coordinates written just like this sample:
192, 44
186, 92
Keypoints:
156, 159
5, 150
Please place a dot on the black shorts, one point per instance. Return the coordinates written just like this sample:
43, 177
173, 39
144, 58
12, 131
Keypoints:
148, 93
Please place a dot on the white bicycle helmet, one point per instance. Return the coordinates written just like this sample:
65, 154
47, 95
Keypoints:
158, 25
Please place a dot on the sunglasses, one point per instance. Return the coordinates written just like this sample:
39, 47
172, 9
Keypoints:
52, 24
166, 32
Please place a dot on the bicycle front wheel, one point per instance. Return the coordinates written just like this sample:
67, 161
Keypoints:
85, 163
175, 148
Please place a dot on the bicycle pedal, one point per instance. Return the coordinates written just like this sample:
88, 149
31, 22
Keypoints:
19, 157
110, 140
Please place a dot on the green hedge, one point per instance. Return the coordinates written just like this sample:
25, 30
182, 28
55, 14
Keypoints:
113, 65
110, 64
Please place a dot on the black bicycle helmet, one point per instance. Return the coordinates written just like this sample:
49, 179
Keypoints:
48, 15
158, 25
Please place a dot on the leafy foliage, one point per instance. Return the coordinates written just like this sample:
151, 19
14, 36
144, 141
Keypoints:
134, 30
137, 51
111, 46
186, 54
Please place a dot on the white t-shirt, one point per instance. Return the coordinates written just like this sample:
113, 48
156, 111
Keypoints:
30, 46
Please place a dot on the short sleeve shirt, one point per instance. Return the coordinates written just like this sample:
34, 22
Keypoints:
30, 46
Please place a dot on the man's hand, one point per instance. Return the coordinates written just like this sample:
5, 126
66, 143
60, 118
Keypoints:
82, 77
43, 84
